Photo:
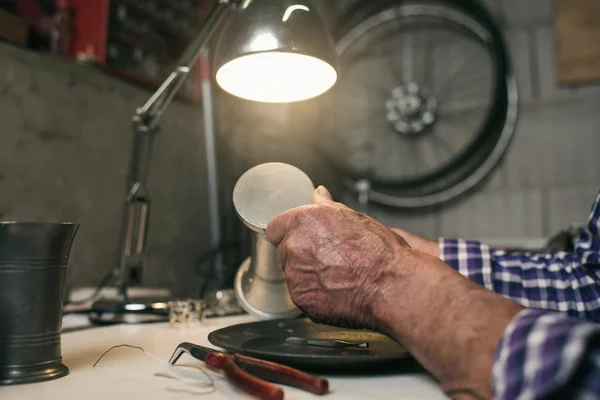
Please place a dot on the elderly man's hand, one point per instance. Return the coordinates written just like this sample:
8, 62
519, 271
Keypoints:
335, 260
344, 268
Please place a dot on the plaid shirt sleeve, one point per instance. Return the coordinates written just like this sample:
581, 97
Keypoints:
543, 353
548, 355
565, 282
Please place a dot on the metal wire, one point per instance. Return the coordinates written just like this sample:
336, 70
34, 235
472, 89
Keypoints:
210, 385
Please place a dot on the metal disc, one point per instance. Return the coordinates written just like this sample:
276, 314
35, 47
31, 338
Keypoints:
267, 340
268, 190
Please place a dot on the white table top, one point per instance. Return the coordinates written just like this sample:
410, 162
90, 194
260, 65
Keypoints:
129, 374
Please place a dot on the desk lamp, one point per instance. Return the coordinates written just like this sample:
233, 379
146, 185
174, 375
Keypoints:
270, 51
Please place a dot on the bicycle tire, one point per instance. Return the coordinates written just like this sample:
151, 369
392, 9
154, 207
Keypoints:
490, 143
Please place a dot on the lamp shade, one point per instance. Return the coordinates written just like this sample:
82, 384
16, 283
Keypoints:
275, 51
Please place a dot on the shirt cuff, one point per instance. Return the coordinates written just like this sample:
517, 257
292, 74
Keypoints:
539, 354
470, 258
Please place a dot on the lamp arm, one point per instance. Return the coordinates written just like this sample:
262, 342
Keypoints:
135, 219
149, 114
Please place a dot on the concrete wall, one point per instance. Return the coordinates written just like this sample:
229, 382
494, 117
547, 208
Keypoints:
551, 174
64, 150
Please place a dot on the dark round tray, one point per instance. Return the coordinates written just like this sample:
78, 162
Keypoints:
266, 340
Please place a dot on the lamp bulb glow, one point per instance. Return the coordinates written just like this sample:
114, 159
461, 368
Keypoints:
276, 77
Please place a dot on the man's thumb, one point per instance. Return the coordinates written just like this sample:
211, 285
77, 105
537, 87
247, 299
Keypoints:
322, 196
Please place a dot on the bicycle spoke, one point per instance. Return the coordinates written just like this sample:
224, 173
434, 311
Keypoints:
442, 142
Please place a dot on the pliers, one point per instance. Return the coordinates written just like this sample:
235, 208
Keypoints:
251, 374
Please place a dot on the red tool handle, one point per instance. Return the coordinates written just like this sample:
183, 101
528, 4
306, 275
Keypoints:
243, 380
283, 374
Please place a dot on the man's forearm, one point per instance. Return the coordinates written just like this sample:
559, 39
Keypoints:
451, 326
479, 344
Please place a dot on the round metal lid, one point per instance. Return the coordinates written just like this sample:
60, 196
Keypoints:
268, 190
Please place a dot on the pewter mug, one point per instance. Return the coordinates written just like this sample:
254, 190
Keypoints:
33, 263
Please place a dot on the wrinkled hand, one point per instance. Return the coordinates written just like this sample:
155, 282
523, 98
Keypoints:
335, 260
344, 268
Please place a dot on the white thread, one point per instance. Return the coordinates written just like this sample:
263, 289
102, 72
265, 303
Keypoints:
188, 381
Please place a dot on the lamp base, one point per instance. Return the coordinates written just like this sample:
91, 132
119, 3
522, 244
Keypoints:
132, 311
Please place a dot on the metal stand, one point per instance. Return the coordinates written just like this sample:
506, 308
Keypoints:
136, 218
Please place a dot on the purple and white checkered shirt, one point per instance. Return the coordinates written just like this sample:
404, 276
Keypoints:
551, 349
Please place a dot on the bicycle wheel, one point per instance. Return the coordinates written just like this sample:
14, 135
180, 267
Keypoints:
426, 102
